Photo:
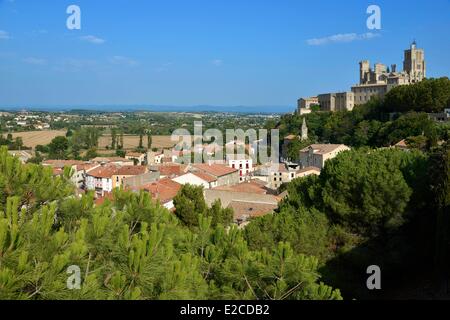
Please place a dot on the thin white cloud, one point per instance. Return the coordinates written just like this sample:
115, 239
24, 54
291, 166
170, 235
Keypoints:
35, 61
123, 61
4, 35
217, 62
93, 39
342, 38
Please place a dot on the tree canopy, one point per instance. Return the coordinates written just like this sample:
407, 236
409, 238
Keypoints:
132, 248
429, 95
367, 206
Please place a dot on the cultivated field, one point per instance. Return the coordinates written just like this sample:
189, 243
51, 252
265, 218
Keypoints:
33, 138
132, 142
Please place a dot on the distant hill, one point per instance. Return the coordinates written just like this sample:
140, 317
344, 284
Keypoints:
134, 108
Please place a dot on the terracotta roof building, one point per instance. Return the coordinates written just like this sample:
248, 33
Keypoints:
317, 154
164, 191
126, 172
103, 171
170, 170
86, 166
216, 170
132, 170
224, 174
100, 179
197, 179
204, 176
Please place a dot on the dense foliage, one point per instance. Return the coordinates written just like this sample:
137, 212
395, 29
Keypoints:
12, 144
367, 207
361, 127
430, 95
131, 248
401, 115
190, 202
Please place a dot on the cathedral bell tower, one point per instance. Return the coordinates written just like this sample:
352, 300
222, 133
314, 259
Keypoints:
414, 64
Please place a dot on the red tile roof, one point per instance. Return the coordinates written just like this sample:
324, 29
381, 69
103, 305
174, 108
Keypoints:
86, 166
131, 170
103, 172
171, 170
164, 190
216, 170
206, 177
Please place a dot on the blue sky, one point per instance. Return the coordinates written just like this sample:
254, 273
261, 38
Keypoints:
205, 52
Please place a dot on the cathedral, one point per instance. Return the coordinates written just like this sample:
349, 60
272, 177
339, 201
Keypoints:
373, 82
381, 79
